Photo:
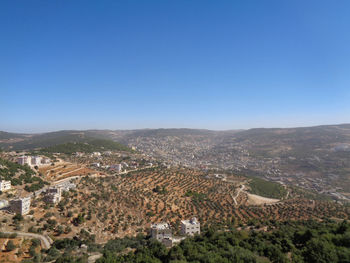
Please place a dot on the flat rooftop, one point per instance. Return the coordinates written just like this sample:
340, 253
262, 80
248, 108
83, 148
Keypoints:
160, 226
192, 221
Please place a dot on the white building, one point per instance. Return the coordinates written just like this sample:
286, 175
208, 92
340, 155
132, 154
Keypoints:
3, 203
22, 160
20, 206
79, 154
190, 227
35, 160
45, 160
65, 186
53, 195
161, 231
5, 185
117, 167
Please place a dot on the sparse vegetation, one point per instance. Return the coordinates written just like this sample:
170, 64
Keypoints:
118, 206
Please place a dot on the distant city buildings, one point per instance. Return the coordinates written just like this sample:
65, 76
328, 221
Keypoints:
5, 185
97, 165
124, 164
79, 154
20, 206
190, 227
116, 167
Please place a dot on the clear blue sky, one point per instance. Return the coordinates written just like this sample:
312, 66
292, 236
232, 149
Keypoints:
197, 64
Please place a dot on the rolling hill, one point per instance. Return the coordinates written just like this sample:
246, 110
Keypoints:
89, 145
316, 158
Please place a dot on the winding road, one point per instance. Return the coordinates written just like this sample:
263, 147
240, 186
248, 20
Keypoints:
238, 192
45, 240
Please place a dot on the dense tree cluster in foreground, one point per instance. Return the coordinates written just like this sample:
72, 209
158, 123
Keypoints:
307, 241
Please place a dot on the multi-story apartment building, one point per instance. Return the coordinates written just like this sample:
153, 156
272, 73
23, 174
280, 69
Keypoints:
22, 160
20, 206
33, 160
45, 160
161, 231
36, 160
53, 195
190, 227
5, 185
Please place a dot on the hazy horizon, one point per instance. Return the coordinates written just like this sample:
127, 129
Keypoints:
155, 128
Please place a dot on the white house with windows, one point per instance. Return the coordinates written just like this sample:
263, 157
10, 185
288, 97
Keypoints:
22, 160
5, 185
20, 206
161, 231
190, 227
53, 195
35, 160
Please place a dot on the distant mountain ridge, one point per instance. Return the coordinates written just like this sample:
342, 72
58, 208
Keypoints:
40, 140
315, 157
89, 145
30, 141
9, 135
